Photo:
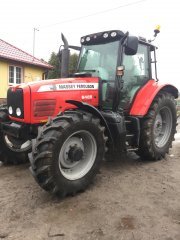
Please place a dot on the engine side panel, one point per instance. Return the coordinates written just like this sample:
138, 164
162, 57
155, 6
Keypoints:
146, 94
47, 98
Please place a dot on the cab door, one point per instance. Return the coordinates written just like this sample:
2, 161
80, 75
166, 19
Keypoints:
136, 74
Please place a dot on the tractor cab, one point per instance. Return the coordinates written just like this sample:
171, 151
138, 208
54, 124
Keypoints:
102, 54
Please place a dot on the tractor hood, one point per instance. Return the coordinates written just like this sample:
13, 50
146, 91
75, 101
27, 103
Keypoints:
66, 84
37, 101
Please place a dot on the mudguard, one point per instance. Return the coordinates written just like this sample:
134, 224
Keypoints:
146, 95
95, 111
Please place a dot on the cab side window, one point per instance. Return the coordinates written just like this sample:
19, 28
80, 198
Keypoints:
136, 73
136, 66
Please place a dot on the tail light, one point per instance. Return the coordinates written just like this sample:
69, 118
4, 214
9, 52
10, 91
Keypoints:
44, 108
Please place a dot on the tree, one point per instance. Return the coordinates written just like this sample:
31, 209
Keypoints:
73, 63
54, 61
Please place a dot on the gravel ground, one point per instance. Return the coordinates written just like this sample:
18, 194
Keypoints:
129, 200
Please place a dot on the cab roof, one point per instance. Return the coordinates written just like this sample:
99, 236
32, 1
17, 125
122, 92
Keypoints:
110, 36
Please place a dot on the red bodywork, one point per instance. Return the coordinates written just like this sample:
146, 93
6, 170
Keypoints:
47, 98
146, 95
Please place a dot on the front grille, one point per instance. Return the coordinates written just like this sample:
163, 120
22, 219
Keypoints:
15, 100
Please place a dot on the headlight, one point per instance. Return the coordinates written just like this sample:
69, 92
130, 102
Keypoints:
88, 39
18, 112
10, 110
113, 34
105, 35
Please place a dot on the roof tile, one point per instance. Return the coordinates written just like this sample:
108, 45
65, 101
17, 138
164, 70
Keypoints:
11, 52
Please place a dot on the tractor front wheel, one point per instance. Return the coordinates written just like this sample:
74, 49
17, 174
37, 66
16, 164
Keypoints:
68, 153
158, 128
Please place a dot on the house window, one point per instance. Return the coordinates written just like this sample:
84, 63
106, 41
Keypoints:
15, 75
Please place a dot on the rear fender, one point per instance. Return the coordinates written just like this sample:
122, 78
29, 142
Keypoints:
146, 95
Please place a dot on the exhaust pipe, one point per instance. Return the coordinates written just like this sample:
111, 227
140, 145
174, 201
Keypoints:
66, 45
64, 58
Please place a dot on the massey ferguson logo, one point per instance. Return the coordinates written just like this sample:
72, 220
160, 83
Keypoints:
68, 86
77, 86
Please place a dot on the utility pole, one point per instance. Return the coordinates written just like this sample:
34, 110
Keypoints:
34, 38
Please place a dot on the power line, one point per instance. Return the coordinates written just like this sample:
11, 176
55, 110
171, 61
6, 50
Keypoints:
94, 14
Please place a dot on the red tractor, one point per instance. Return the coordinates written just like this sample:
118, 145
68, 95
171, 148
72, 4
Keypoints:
110, 105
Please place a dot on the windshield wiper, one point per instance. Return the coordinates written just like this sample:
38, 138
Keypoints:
82, 74
90, 70
85, 73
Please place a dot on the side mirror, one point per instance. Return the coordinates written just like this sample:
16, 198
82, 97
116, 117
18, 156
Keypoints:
131, 45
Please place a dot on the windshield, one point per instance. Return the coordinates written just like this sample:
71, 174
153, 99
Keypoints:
100, 60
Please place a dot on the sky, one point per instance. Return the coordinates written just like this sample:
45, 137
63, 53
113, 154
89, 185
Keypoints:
76, 18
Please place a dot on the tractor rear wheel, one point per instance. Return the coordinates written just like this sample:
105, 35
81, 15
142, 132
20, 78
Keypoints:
68, 152
12, 150
158, 128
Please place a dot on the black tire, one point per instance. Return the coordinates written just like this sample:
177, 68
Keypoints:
153, 144
47, 165
10, 152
